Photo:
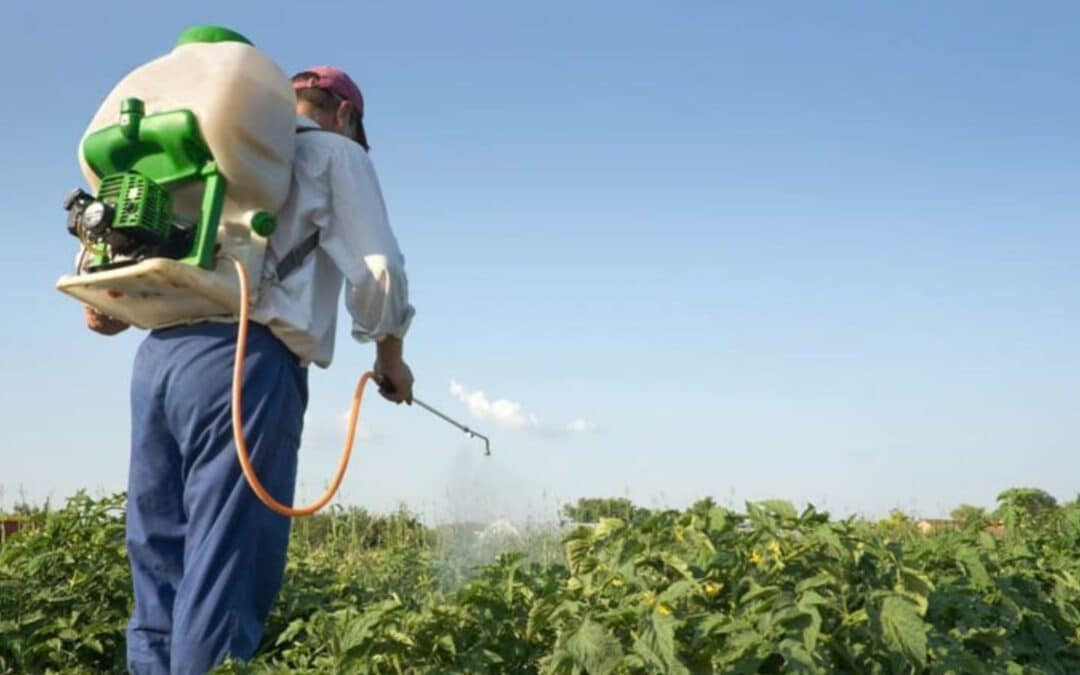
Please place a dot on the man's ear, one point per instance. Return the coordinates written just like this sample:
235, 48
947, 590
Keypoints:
344, 117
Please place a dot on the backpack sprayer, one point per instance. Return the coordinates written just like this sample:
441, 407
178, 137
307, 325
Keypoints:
188, 175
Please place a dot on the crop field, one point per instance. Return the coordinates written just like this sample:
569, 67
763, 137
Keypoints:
615, 589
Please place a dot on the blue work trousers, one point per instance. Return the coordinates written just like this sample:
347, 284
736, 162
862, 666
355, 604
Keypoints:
207, 557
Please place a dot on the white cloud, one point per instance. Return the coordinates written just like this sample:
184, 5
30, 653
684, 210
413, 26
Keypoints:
512, 415
504, 413
363, 427
580, 426
326, 432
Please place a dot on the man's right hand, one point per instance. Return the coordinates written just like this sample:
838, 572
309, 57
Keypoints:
393, 375
102, 323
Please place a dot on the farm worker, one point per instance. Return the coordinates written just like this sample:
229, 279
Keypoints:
207, 558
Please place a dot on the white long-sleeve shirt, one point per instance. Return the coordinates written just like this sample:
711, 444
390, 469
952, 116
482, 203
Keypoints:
334, 190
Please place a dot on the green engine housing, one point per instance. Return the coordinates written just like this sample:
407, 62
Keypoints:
142, 208
138, 160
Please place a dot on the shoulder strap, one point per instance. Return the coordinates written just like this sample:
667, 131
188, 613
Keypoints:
295, 257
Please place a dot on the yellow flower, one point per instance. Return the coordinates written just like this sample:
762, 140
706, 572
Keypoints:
756, 557
663, 609
617, 582
774, 548
711, 588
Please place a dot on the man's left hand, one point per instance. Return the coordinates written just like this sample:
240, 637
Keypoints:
102, 323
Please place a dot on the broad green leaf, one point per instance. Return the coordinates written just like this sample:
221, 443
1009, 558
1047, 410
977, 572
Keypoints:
594, 649
94, 644
607, 526
800, 622
780, 507
446, 643
715, 623
797, 657
812, 599
719, 520
492, 657
916, 586
294, 628
973, 566
992, 638
565, 609
400, 637
676, 563
679, 590
828, 536
656, 644
988, 541
902, 629
816, 581
579, 555
758, 592
759, 516
812, 633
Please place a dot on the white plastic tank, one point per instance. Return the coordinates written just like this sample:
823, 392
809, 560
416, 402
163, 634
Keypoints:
246, 110
243, 102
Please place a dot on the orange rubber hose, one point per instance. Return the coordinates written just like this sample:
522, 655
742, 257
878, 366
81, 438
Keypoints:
238, 422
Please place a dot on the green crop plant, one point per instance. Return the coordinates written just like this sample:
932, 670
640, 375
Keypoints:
703, 590
64, 590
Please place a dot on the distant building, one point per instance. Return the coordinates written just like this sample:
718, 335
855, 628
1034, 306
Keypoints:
932, 525
9, 527
929, 525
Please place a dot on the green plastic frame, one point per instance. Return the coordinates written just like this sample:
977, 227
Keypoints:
166, 148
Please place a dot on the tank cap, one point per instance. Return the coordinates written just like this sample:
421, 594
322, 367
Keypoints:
210, 34
263, 223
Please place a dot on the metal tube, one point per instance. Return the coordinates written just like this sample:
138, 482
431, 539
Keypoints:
459, 425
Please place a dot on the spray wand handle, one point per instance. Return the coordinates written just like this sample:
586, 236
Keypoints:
385, 385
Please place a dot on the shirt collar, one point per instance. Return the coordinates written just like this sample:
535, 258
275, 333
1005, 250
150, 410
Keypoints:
306, 122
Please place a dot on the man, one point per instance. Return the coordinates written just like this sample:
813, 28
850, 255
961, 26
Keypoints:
207, 558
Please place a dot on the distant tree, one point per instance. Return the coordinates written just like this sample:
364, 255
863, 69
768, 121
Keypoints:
1072, 507
592, 509
26, 509
969, 515
703, 505
1031, 501
898, 523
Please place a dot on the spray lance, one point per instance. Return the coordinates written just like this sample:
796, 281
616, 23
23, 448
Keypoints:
387, 387
468, 432
180, 190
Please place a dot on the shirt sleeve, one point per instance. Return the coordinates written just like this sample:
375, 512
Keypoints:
362, 245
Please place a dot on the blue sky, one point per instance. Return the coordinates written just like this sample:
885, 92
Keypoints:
819, 251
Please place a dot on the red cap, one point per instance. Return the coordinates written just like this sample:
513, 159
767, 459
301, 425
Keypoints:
337, 82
